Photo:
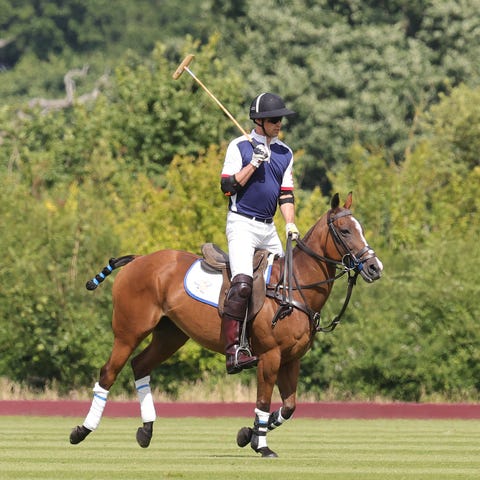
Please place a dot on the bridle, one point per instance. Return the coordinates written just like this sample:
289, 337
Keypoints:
350, 264
350, 259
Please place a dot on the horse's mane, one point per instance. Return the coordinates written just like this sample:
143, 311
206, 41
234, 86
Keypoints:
307, 236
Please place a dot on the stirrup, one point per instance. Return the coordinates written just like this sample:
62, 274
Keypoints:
242, 359
242, 349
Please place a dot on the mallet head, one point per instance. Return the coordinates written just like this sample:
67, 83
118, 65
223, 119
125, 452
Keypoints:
186, 62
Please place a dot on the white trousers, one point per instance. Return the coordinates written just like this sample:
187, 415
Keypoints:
244, 235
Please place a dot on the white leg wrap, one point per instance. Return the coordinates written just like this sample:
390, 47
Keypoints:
147, 408
262, 426
96, 409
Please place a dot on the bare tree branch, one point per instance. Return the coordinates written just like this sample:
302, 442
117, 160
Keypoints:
70, 88
69, 81
60, 103
5, 41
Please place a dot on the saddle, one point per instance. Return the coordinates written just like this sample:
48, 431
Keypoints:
216, 260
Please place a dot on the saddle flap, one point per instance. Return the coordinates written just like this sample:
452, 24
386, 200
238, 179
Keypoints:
214, 256
260, 262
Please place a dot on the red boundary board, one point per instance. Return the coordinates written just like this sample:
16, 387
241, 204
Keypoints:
361, 410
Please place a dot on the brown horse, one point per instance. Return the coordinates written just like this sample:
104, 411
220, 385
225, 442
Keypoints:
149, 298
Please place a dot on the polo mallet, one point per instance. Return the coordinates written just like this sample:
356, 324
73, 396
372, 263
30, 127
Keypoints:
184, 67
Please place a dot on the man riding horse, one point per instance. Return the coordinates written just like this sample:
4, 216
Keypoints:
255, 180
150, 299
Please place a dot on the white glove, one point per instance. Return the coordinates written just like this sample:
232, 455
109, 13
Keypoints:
292, 230
260, 154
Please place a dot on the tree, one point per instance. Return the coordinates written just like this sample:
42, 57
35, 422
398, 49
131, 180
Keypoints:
137, 169
423, 214
355, 71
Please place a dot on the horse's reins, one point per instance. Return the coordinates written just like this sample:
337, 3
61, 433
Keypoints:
351, 264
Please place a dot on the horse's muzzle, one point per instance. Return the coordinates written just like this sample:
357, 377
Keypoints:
371, 269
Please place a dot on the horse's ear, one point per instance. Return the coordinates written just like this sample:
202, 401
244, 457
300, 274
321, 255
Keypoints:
348, 201
335, 201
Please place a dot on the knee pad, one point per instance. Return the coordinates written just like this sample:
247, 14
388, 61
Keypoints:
238, 296
241, 286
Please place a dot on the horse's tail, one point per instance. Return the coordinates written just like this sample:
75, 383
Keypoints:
113, 263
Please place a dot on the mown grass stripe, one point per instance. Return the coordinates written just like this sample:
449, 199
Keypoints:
36, 448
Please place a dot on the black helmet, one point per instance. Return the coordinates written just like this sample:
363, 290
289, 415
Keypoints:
268, 105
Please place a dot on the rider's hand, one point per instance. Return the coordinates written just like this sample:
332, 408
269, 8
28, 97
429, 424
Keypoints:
292, 230
260, 154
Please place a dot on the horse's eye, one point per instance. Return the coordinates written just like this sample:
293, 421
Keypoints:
345, 231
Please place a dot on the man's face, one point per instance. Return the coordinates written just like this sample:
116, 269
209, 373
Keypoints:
272, 126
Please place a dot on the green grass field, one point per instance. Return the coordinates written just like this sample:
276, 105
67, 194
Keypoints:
34, 448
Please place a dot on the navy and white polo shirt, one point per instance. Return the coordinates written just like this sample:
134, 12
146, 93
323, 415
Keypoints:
259, 197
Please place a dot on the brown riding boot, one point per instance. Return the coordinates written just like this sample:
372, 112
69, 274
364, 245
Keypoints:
237, 358
235, 308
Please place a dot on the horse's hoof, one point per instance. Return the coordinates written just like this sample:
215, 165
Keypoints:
244, 436
78, 434
266, 452
144, 434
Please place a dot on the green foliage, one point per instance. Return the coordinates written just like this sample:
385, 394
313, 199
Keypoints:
189, 211
50, 28
453, 124
355, 71
154, 117
81, 176
382, 109
412, 335
45, 337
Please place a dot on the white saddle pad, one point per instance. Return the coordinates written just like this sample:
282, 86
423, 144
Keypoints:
205, 286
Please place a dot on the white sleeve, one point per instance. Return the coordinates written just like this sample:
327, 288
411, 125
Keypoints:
287, 181
233, 160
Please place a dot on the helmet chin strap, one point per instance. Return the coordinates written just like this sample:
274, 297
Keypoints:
261, 125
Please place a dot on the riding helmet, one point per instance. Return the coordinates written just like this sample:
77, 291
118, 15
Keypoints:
269, 105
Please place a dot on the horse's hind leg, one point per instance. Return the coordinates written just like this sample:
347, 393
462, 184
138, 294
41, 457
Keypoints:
121, 351
167, 338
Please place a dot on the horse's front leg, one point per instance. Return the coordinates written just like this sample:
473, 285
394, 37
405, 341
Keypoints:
267, 371
287, 379
287, 385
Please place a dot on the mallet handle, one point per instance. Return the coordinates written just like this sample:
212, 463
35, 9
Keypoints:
184, 67
227, 113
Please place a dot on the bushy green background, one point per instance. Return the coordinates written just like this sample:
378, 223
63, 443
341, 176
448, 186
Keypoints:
388, 106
